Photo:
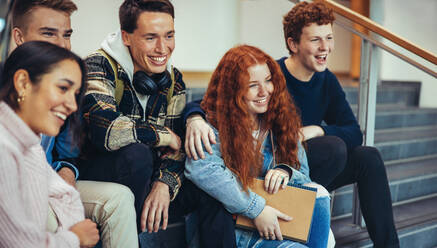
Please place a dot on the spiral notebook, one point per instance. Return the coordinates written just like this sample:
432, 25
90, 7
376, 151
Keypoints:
296, 201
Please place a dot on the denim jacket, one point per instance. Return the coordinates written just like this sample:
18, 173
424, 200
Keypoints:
212, 176
64, 149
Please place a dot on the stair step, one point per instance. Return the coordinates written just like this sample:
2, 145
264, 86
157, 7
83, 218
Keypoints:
409, 181
405, 117
401, 143
416, 223
399, 93
395, 116
391, 135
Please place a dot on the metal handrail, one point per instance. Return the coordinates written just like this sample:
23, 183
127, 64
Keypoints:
388, 49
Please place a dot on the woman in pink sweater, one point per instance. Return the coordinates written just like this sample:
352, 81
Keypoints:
40, 88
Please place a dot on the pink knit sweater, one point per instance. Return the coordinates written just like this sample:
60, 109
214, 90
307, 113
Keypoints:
27, 186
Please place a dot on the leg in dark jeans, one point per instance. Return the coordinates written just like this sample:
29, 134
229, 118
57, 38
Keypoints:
131, 165
326, 158
216, 226
365, 167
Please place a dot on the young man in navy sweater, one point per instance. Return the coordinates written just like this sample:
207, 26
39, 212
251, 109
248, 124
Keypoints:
335, 155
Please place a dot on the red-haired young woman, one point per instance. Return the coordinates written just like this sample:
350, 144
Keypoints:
257, 127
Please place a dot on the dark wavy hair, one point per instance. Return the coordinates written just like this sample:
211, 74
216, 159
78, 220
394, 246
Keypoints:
302, 15
130, 10
39, 58
227, 111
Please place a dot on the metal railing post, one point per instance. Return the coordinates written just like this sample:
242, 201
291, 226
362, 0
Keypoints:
366, 111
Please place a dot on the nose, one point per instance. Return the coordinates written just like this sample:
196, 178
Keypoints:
324, 45
160, 45
262, 90
71, 104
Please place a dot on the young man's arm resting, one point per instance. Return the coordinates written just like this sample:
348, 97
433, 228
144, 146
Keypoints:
198, 132
340, 119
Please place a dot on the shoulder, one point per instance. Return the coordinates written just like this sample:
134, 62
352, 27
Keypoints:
180, 85
9, 147
96, 58
281, 61
97, 64
328, 76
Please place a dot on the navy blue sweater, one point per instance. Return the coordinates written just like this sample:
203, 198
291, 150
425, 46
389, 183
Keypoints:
320, 99
323, 99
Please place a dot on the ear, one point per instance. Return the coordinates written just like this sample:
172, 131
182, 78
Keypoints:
22, 82
18, 36
126, 38
292, 45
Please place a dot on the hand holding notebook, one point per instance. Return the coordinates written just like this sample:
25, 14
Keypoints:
296, 201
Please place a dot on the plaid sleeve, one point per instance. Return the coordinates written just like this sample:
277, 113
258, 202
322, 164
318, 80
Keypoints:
172, 167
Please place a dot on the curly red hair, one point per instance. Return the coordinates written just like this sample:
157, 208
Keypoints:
304, 14
227, 111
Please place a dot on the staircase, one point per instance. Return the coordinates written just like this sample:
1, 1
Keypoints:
406, 136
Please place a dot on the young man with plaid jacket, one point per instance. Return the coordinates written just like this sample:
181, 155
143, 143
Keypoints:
133, 124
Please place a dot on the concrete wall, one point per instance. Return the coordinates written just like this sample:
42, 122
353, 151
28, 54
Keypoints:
415, 21
93, 20
205, 30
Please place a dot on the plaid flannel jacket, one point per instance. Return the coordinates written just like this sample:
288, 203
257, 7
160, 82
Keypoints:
110, 126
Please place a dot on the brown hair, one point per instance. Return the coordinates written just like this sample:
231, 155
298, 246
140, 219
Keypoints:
227, 111
22, 8
130, 10
304, 14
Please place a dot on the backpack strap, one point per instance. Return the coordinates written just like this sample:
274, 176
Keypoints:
171, 89
119, 84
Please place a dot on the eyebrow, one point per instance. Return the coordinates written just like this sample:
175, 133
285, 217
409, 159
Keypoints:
256, 81
317, 36
68, 81
69, 31
155, 34
49, 29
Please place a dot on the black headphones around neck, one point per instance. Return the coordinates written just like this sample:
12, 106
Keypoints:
149, 85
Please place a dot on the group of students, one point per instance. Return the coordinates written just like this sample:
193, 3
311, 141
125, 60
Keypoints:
112, 127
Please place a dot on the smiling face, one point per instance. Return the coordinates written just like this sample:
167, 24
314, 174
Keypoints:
49, 102
311, 53
45, 24
259, 91
152, 42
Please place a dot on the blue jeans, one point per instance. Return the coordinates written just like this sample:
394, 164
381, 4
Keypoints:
319, 231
